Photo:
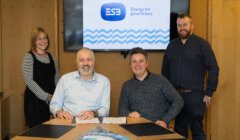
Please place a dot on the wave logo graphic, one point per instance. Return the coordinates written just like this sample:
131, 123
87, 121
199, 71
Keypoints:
126, 36
113, 11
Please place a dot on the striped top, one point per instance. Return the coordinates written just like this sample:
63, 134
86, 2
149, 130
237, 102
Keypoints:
27, 69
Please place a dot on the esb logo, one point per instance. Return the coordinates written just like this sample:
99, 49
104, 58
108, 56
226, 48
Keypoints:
113, 11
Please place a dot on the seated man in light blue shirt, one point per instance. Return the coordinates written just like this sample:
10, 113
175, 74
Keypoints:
84, 93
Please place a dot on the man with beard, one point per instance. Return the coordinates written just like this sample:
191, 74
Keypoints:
187, 61
84, 94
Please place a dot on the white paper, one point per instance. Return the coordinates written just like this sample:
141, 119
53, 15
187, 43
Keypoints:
94, 120
107, 120
114, 120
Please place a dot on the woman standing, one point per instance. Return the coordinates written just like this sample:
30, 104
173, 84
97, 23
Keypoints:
39, 71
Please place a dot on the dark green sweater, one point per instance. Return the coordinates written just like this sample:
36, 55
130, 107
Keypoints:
154, 98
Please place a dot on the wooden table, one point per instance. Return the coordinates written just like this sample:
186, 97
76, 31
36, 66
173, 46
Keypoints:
80, 129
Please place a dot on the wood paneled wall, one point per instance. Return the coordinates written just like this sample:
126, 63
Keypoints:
225, 33
199, 18
215, 20
17, 20
1, 88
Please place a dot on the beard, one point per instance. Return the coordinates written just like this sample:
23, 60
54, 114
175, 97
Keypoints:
86, 70
184, 34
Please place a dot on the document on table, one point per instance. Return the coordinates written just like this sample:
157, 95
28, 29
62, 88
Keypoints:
114, 120
94, 120
107, 120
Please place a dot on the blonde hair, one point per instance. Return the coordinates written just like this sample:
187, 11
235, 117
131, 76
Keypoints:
35, 33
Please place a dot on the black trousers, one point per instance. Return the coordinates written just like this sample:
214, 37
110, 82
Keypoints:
191, 115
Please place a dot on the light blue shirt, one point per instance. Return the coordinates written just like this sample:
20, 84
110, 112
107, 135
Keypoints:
75, 95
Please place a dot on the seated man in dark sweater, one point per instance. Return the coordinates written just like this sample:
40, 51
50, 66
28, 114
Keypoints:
148, 95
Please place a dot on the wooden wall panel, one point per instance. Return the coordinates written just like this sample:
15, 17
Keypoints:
238, 88
238, 78
237, 45
1, 88
225, 32
222, 20
18, 19
199, 18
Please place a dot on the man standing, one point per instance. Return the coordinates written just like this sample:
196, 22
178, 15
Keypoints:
147, 94
84, 93
187, 61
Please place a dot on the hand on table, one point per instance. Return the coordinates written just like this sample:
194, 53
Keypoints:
64, 115
134, 114
86, 115
161, 123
